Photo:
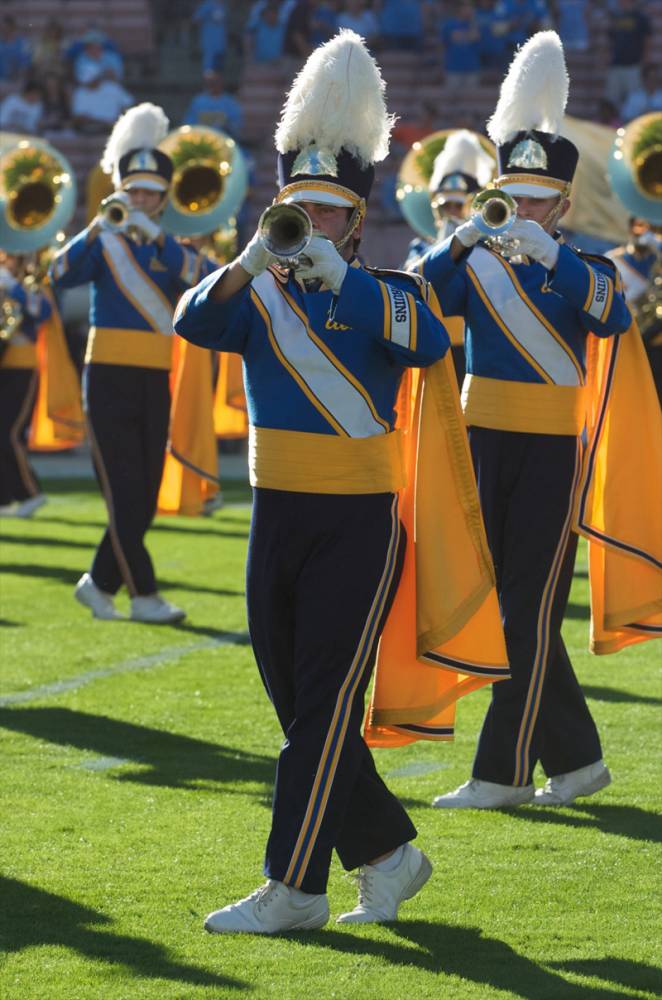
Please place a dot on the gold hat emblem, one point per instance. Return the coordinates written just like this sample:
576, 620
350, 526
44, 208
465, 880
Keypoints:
313, 162
528, 154
143, 160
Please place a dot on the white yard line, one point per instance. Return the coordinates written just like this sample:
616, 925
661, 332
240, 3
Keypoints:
168, 655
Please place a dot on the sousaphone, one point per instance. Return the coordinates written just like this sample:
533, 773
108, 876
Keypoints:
37, 193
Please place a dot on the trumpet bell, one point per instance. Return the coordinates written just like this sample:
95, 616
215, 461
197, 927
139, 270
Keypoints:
209, 184
37, 194
635, 167
285, 230
493, 212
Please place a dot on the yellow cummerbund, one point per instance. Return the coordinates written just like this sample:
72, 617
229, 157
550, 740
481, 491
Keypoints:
19, 356
324, 463
138, 348
455, 329
530, 407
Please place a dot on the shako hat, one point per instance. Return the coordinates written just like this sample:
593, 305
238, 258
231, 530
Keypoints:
334, 127
533, 159
462, 167
131, 153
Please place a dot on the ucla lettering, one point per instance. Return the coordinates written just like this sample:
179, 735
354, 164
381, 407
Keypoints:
332, 325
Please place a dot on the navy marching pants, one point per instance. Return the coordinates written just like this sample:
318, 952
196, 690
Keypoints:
127, 411
527, 484
322, 571
18, 388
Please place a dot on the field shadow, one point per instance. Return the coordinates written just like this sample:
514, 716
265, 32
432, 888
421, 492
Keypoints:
577, 612
619, 971
619, 697
620, 821
203, 529
162, 758
64, 543
35, 917
464, 952
8, 623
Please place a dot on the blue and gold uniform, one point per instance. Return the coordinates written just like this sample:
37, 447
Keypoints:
322, 374
18, 387
135, 285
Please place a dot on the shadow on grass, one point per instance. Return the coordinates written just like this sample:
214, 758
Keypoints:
7, 623
462, 952
621, 972
620, 821
577, 612
619, 697
35, 917
164, 758
65, 543
71, 576
204, 529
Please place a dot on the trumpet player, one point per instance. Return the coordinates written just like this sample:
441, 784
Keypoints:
524, 399
23, 308
137, 273
325, 343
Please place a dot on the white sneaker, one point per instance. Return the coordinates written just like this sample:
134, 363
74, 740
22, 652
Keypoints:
155, 609
212, 504
381, 892
8, 509
271, 909
477, 794
565, 788
100, 603
26, 508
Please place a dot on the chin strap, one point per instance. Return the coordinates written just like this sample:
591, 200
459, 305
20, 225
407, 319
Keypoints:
355, 218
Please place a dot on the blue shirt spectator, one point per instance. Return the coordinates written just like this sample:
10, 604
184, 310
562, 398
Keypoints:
15, 53
572, 24
267, 33
401, 24
355, 16
210, 16
323, 22
524, 17
495, 47
461, 39
215, 108
95, 56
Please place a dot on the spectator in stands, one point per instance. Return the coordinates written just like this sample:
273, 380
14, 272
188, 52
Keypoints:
524, 18
355, 15
401, 25
56, 114
15, 53
572, 24
495, 47
267, 34
48, 56
22, 112
214, 107
97, 102
95, 57
460, 35
210, 16
323, 21
629, 32
298, 32
646, 98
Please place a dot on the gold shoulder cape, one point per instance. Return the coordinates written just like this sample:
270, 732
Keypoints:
57, 421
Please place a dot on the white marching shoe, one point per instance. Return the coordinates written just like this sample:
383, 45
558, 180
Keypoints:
381, 892
477, 794
98, 601
24, 508
155, 609
271, 909
565, 788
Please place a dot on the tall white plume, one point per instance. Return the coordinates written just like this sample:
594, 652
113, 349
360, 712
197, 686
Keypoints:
534, 92
142, 126
336, 101
462, 152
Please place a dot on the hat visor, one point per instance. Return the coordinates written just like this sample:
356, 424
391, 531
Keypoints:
325, 197
147, 183
443, 197
519, 189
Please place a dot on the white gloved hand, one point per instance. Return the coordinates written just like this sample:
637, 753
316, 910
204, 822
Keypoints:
326, 264
468, 233
255, 258
150, 229
533, 241
7, 279
648, 241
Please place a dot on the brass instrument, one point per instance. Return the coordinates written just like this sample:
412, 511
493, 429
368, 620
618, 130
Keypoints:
209, 182
115, 210
285, 230
37, 193
493, 212
11, 317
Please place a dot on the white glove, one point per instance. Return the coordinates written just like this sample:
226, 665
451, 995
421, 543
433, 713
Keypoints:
533, 241
326, 264
255, 258
7, 279
648, 241
150, 229
468, 233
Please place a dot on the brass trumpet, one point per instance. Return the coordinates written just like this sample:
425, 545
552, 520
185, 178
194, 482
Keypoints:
285, 230
115, 210
494, 212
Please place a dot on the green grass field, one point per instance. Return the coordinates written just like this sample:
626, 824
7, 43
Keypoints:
137, 765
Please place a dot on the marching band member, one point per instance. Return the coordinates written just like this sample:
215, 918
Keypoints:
524, 397
22, 310
324, 349
137, 273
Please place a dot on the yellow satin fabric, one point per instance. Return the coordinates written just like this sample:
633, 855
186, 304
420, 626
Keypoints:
530, 407
139, 348
230, 417
57, 421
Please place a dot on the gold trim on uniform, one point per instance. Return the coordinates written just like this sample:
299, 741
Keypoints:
529, 407
326, 187
563, 187
325, 463
137, 348
19, 356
